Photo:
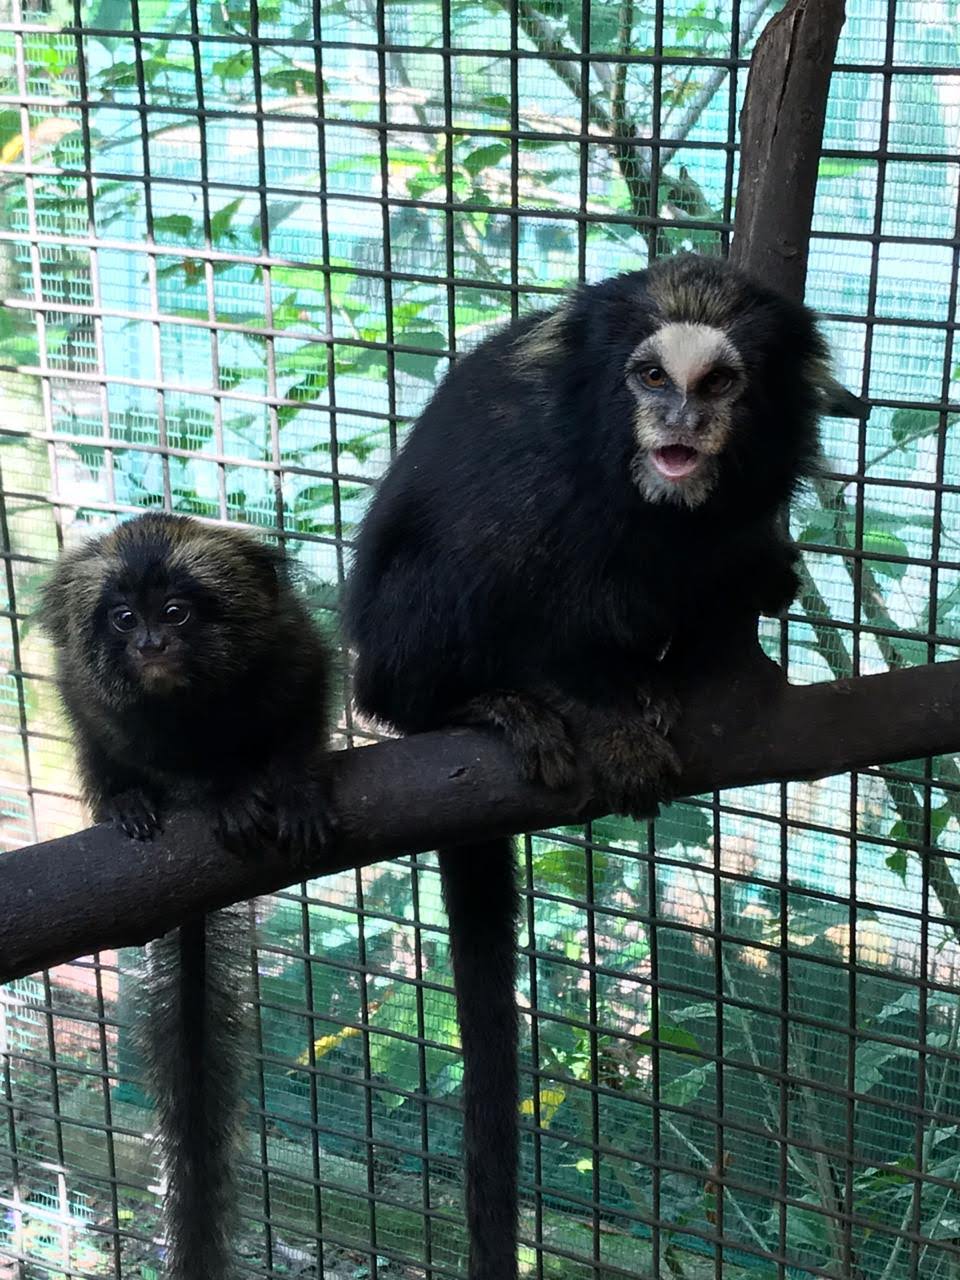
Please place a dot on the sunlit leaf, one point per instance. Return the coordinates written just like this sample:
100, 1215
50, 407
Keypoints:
831, 167
879, 542
550, 1100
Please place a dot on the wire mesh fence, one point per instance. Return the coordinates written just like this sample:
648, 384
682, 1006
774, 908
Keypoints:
239, 245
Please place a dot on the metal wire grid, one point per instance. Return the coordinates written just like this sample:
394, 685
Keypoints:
741, 1020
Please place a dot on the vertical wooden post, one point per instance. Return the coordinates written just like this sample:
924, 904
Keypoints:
781, 133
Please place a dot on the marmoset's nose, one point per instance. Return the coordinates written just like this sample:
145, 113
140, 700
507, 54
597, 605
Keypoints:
151, 642
686, 416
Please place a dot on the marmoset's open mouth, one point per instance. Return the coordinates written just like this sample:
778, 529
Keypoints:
675, 461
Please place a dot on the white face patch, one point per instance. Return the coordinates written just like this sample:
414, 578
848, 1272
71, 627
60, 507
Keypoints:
688, 351
681, 422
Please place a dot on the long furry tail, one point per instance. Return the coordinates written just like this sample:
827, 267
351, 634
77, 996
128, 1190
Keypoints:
479, 887
192, 1035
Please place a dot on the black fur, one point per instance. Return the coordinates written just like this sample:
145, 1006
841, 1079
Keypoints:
236, 725
510, 572
193, 1034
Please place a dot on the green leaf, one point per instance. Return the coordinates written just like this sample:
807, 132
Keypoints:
175, 224
421, 366
881, 1181
564, 869
221, 220
909, 1002
672, 1039
92, 456
685, 1088
613, 829
682, 824
677, 50
298, 278
423, 181
916, 768
699, 24
604, 23
704, 1009
121, 75
938, 820
911, 651
235, 67
819, 525
189, 433
806, 1229
392, 1101
316, 495
231, 375
303, 392
831, 167
871, 1058
297, 81
9, 124
897, 862
485, 157
404, 313
945, 1229
878, 542
912, 424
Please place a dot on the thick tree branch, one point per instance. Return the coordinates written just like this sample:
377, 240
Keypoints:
741, 725
781, 131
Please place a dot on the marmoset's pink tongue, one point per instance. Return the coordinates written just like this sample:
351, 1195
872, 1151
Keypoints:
674, 461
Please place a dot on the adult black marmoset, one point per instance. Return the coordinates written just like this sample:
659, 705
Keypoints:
592, 493
193, 676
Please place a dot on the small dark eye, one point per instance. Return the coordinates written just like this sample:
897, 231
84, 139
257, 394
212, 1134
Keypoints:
654, 377
122, 618
717, 382
175, 614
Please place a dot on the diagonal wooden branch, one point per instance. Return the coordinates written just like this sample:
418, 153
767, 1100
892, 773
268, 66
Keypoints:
97, 890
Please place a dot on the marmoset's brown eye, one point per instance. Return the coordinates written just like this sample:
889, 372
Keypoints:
654, 377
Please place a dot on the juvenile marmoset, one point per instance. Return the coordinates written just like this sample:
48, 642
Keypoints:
589, 494
192, 675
